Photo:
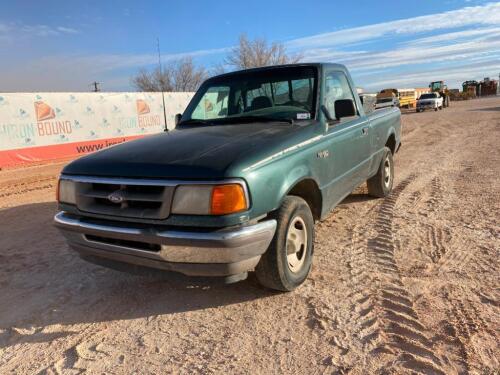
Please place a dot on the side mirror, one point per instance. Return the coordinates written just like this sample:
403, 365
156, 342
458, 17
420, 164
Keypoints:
177, 119
344, 108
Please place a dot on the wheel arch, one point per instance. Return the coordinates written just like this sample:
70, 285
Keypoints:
308, 189
391, 142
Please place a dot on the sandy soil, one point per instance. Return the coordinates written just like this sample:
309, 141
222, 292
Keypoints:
409, 284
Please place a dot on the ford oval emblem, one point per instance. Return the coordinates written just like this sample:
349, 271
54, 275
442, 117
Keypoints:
116, 197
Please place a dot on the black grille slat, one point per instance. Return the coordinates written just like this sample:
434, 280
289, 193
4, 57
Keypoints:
125, 243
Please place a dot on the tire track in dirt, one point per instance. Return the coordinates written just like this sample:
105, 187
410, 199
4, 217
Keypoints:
74, 353
385, 314
430, 231
466, 321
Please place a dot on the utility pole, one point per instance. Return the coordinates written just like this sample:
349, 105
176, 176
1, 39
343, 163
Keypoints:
161, 81
96, 86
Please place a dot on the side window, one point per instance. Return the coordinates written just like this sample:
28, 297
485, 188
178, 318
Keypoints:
336, 87
213, 104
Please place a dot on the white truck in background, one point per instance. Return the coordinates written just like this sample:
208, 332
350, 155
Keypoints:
430, 101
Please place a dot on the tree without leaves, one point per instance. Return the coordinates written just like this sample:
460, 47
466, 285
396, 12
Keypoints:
255, 53
180, 75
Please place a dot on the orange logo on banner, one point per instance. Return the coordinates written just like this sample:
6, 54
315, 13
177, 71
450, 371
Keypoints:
43, 111
142, 107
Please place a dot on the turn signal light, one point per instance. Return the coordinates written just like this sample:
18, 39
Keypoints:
228, 199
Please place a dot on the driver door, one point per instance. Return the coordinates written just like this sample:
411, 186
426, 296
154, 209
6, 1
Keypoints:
348, 139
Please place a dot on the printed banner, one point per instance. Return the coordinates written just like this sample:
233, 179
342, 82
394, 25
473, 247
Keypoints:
44, 126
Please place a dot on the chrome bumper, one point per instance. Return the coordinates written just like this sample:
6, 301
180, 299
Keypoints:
217, 253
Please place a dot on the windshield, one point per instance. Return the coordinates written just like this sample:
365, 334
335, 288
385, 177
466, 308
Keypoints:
428, 96
285, 94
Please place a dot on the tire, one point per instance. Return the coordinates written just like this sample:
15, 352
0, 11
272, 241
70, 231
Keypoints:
380, 185
277, 269
435, 109
418, 110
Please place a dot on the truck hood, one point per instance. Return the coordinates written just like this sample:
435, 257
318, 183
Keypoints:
203, 152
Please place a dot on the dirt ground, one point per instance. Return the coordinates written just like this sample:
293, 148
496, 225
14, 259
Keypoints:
407, 284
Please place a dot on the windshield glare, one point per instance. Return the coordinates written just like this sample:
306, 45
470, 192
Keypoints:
279, 94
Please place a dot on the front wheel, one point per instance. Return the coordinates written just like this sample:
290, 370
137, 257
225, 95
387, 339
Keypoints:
380, 185
287, 262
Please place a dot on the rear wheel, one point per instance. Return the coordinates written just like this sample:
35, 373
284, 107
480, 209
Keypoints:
380, 185
287, 262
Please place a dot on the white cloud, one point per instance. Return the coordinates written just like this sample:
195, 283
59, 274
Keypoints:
10, 32
482, 33
67, 30
488, 14
476, 40
453, 76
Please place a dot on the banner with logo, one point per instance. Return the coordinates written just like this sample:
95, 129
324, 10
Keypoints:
45, 126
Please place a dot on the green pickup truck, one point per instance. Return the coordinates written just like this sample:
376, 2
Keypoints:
257, 157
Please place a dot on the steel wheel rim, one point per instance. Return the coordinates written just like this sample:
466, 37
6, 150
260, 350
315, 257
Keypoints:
296, 244
387, 172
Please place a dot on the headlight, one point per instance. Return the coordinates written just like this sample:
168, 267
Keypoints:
209, 199
66, 192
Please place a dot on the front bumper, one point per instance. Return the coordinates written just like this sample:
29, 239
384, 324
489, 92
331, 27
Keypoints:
427, 106
225, 252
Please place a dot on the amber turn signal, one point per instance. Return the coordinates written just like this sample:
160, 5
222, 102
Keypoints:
228, 199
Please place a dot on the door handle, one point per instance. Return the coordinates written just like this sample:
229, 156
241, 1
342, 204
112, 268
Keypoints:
365, 130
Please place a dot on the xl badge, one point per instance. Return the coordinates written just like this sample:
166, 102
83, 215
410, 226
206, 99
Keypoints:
323, 154
116, 197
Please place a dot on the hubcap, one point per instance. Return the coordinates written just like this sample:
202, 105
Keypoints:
296, 244
387, 172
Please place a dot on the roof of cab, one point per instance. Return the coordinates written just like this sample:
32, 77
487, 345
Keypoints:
273, 67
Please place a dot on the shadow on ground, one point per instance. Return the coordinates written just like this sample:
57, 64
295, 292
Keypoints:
489, 109
44, 283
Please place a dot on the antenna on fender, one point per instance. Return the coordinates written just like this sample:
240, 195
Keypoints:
161, 86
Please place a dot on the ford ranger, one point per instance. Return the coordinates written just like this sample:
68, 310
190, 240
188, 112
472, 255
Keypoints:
256, 158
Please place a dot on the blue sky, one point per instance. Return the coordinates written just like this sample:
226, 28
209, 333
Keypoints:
66, 45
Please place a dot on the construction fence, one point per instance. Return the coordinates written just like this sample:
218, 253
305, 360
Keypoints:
44, 126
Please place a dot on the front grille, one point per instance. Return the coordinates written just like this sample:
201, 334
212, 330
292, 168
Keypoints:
131, 199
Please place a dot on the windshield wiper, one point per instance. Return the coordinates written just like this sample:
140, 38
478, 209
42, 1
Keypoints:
251, 118
195, 122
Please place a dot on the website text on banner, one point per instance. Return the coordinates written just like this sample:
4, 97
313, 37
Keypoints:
45, 126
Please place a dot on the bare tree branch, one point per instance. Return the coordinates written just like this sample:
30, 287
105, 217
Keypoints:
257, 52
180, 75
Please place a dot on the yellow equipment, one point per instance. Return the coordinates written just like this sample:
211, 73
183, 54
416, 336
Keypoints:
406, 98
